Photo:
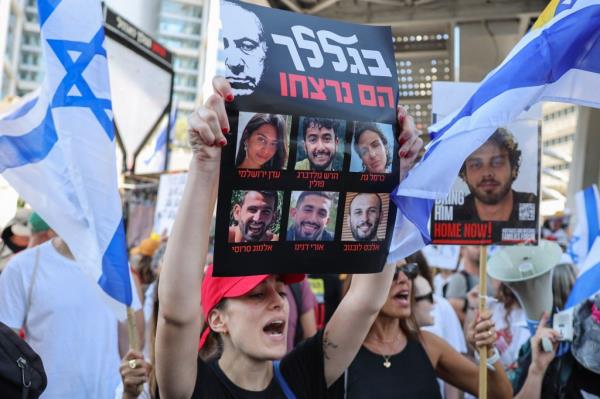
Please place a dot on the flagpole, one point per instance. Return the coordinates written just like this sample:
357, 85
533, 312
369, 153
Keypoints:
482, 306
132, 330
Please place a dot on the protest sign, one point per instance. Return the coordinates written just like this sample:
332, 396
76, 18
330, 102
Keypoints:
312, 153
495, 198
170, 191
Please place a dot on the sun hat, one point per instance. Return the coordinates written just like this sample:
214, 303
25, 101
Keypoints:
215, 289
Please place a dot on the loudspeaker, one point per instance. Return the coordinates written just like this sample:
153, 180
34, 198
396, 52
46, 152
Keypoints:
526, 270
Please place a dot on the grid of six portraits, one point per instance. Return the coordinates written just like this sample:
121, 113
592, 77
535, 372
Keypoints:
302, 178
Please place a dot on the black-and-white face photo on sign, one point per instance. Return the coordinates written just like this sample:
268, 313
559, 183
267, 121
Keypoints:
244, 48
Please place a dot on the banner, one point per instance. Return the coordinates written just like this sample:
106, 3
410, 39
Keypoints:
170, 191
495, 198
312, 154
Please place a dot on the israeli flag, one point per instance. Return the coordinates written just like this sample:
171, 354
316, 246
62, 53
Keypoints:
160, 145
558, 60
587, 204
588, 280
58, 149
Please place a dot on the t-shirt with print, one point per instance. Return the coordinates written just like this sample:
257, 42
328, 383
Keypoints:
302, 369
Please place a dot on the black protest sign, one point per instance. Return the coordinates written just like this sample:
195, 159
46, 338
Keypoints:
312, 154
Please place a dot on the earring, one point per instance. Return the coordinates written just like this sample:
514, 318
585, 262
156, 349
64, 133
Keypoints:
245, 147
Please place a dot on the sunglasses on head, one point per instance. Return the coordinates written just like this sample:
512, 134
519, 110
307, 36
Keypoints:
426, 297
411, 270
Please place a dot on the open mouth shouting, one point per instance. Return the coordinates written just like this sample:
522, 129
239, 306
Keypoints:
402, 298
275, 329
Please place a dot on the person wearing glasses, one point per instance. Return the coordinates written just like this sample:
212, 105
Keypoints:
263, 144
241, 321
400, 361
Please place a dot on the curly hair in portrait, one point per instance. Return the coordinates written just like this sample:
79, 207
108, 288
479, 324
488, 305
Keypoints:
277, 162
362, 127
319, 123
503, 139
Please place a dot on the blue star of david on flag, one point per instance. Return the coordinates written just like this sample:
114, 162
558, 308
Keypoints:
58, 148
74, 91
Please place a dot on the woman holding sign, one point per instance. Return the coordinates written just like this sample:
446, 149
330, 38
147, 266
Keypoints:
400, 361
263, 144
242, 320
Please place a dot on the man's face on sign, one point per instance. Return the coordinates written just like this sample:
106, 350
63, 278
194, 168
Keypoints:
310, 217
320, 144
245, 48
488, 173
254, 215
365, 214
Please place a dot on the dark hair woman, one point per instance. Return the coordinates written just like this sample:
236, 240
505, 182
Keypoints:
263, 144
399, 361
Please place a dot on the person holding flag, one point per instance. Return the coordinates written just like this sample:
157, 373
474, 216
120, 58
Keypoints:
58, 152
558, 60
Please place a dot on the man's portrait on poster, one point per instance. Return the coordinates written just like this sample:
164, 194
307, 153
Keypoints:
489, 173
321, 144
365, 217
244, 48
262, 141
372, 148
253, 214
311, 217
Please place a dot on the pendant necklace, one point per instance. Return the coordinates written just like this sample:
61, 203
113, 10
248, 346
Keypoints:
386, 362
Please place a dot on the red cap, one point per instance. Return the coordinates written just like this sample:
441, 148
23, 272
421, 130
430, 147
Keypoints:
214, 289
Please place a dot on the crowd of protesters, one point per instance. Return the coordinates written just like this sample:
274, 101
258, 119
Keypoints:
412, 330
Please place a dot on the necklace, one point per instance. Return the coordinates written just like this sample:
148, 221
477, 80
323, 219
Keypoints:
386, 361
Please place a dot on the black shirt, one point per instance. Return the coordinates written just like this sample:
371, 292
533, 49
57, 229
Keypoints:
468, 213
410, 375
302, 369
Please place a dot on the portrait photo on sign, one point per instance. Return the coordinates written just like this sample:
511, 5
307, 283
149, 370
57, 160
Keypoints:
365, 217
499, 180
312, 216
263, 141
244, 47
255, 216
321, 143
372, 148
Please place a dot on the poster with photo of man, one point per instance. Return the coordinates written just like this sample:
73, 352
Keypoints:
321, 144
313, 133
495, 199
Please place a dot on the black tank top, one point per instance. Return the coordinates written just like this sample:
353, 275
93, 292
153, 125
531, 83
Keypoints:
410, 375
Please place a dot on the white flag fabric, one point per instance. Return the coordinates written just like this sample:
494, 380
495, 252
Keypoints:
58, 149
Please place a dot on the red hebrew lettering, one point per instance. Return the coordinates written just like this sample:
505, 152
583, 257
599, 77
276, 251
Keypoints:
283, 84
303, 82
372, 100
390, 96
319, 86
348, 90
338, 92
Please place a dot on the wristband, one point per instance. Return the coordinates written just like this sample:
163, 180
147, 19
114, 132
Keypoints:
491, 360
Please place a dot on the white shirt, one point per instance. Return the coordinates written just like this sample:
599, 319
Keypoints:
68, 324
510, 339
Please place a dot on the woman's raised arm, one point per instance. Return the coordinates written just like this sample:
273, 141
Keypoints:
180, 316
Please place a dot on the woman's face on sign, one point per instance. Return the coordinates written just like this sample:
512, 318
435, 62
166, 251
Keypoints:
262, 145
372, 152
